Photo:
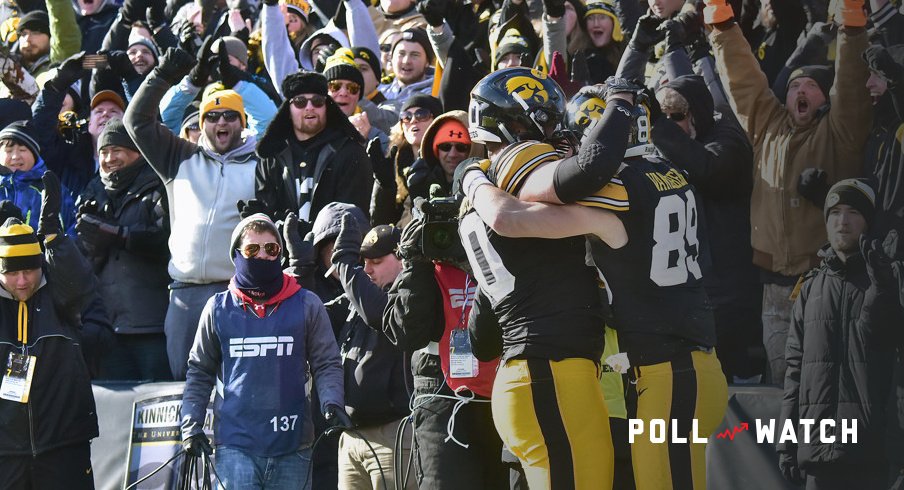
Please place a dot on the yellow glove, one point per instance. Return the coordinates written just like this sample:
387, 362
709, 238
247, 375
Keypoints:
717, 11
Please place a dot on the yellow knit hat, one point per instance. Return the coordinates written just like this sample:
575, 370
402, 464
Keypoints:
19, 247
219, 99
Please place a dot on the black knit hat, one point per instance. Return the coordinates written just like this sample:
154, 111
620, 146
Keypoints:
823, 75
856, 193
22, 133
341, 66
114, 134
19, 247
362, 53
428, 102
416, 35
36, 20
304, 82
380, 241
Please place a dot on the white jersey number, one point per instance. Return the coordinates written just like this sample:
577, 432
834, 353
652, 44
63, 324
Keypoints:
676, 245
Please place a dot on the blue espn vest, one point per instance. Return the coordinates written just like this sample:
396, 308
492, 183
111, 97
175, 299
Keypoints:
260, 402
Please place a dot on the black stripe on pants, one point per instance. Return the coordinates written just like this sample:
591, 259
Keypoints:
684, 401
546, 406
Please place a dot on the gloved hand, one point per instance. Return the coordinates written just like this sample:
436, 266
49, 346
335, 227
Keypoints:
51, 200
877, 58
692, 22
420, 175
119, 63
100, 233
200, 73
813, 47
648, 98
384, 166
813, 185
348, 243
174, 65
675, 35
787, 463
189, 40
850, 13
68, 72
320, 62
410, 242
554, 8
717, 11
133, 10
301, 253
228, 74
250, 207
878, 265
336, 417
616, 85
434, 11
647, 33
156, 15
197, 445
9, 210
461, 181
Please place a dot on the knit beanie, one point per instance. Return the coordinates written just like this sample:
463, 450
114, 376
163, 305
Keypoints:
856, 193
236, 237
607, 8
511, 42
428, 102
114, 134
304, 82
136, 39
341, 66
219, 100
234, 46
19, 247
36, 20
22, 133
299, 7
362, 53
823, 75
416, 35
450, 131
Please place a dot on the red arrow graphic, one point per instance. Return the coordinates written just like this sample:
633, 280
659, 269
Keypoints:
731, 433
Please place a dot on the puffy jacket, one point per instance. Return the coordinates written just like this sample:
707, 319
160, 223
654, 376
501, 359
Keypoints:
839, 352
24, 190
132, 276
376, 383
786, 229
202, 188
61, 409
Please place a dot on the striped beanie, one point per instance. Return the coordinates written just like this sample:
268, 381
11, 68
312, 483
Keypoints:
19, 247
22, 133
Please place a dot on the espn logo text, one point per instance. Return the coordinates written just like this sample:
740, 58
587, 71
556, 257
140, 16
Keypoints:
261, 346
825, 431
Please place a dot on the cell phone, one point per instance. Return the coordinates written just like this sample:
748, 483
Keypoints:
95, 61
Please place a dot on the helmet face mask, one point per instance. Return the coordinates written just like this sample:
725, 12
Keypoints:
515, 104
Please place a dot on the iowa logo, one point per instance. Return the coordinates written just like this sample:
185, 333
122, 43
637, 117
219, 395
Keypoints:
527, 89
589, 111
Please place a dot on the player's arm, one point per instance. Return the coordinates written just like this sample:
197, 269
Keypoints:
511, 217
596, 162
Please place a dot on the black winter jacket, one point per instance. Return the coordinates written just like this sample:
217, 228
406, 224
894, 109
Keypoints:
133, 277
60, 410
839, 354
376, 384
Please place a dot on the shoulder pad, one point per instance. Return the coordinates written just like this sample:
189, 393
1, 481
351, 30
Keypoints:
515, 163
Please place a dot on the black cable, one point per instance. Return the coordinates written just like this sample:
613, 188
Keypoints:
379, 466
164, 465
330, 431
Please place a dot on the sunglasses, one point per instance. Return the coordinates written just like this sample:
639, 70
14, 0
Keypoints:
459, 147
251, 249
676, 116
352, 87
193, 127
300, 101
386, 47
214, 117
419, 115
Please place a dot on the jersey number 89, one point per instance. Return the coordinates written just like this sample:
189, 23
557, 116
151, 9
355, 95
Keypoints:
675, 244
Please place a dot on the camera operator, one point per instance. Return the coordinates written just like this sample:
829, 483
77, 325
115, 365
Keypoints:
427, 313
376, 384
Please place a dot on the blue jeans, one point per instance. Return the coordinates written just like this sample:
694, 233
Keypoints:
239, 470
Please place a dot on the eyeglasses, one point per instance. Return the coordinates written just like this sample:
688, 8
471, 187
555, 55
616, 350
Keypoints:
676, 116
301, 101
193, 127
419, 115
386, 47
214, 117
459, 147
352, 87
251, 249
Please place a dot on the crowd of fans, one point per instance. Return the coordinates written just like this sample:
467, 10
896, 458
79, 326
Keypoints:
215, 181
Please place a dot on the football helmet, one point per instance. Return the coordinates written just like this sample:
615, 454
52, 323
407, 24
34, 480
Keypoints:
515, 104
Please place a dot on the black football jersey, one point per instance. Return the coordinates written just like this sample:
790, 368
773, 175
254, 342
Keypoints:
654, 282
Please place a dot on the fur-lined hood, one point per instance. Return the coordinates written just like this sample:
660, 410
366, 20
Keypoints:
276, 137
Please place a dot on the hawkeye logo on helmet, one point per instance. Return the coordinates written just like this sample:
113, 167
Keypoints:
589, 110
525, 88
